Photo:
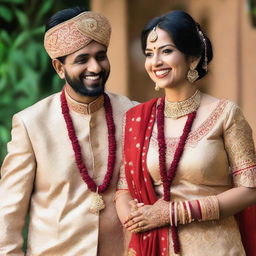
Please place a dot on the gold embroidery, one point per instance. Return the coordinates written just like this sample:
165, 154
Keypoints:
85, 109
209, 208
239, 143
245, 177
220, 237
73, 34
131, 252
195, 136
122, 183
178, 109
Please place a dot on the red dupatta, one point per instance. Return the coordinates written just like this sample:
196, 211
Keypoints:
138, 129
247, 224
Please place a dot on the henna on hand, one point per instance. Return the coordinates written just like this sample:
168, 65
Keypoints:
148, 217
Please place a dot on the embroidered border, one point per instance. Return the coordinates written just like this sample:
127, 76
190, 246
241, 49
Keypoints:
245, 177
199, 133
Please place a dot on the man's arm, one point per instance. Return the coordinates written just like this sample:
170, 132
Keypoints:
16, 184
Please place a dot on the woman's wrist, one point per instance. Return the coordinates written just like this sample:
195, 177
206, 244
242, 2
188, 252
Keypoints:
185, 212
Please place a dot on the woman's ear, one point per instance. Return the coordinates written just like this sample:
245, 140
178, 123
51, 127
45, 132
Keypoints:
59, 68
194, 62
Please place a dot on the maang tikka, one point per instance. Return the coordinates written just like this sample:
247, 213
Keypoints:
153, 35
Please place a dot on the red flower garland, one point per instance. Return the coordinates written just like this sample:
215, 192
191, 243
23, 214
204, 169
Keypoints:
167, 177
77, 149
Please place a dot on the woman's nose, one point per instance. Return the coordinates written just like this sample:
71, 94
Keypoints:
157, 61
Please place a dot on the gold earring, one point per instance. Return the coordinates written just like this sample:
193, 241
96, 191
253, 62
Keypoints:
192, 75
157, 87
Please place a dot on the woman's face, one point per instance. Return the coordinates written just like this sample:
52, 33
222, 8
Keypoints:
165, 64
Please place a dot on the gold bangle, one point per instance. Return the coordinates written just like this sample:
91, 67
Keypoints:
209, 208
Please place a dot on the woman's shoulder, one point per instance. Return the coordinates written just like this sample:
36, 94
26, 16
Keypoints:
220, 108
211, 101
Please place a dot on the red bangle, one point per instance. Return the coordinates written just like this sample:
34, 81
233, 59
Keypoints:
199, 209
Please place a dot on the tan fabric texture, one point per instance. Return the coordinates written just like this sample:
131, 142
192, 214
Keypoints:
39, 176
219, 154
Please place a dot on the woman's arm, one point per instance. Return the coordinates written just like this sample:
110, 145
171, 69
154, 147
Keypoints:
153, 216
235, 200
123, 204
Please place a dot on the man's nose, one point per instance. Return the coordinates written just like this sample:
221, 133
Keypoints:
94, 66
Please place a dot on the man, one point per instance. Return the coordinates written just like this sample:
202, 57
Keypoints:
65, 153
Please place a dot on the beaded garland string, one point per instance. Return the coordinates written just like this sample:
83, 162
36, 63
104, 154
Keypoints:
77, 149
167, 177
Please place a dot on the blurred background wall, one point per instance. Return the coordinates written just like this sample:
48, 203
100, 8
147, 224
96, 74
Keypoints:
26, 74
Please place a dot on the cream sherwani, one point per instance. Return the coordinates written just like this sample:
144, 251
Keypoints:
39, 176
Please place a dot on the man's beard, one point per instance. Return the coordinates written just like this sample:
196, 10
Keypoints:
79, 86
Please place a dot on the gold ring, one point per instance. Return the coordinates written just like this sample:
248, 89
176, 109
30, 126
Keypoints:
138, 230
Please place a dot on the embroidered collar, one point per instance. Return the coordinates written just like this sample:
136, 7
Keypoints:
178, 109
82, 108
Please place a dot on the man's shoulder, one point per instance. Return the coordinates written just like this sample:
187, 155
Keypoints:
42, 106
120, 102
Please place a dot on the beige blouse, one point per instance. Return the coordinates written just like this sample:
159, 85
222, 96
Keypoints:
219, 154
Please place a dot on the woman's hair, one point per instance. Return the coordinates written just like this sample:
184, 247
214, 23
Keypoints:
62, 16
184, 32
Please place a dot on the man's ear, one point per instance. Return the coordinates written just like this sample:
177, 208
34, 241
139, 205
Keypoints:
59, 68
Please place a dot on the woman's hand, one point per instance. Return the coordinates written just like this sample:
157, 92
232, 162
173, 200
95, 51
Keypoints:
147, 217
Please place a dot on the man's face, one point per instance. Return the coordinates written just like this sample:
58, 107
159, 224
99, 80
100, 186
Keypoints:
87, 70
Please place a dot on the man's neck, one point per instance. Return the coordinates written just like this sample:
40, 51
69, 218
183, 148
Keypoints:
78, 97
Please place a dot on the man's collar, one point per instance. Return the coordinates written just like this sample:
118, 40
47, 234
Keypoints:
82, 108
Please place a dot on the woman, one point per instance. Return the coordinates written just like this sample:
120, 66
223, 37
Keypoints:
189, 158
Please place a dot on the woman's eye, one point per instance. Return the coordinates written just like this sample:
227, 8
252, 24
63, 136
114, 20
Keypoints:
148, 54
167, 51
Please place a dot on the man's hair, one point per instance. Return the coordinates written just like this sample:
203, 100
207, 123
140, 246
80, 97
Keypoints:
62, 16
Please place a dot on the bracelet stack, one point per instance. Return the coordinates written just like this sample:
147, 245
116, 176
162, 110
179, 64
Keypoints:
181, 212
209, 208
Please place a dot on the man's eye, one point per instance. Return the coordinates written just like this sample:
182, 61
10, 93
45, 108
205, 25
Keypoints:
101, 57
82, 60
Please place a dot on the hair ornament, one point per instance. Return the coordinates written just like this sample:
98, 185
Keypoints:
202, 37
153, 35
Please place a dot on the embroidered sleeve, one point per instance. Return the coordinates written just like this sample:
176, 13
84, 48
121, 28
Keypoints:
122, 184
240, 149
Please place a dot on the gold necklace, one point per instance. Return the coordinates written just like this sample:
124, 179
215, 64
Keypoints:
178, 109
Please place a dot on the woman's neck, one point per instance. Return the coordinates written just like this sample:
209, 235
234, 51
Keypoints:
180, 94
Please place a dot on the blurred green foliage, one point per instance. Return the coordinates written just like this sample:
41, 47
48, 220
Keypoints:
26, 73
